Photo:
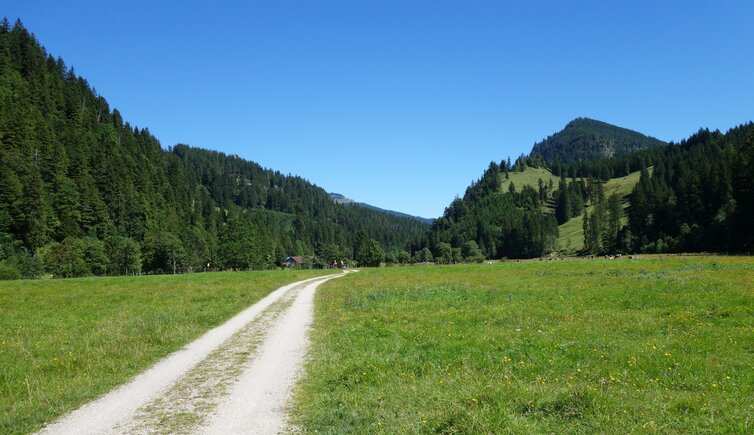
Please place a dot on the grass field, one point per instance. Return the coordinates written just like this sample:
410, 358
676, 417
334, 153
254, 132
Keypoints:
656, 345
64, 342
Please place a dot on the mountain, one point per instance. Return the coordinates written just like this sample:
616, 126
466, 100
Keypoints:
694, 196
342, 200
587, 139
82, 191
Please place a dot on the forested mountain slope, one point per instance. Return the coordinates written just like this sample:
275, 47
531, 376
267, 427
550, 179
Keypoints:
696, 197
700, 196
588, 139
82, 191
491, 223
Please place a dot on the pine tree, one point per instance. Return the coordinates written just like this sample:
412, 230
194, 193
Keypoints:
612, 227
588, 242
563, 207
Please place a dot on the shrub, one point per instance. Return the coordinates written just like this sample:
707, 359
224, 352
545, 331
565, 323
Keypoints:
8, 272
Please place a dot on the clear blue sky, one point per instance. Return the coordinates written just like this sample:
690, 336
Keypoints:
402, 104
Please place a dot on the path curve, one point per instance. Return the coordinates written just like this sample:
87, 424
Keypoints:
286, 339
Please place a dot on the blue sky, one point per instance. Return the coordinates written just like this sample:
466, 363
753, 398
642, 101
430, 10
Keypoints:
402, 104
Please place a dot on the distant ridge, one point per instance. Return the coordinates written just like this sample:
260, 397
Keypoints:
587, 139
342, 200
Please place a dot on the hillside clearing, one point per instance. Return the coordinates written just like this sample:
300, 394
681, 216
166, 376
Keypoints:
571, 233
529, 177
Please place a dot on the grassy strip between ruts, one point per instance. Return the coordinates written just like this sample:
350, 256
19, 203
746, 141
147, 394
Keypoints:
64, 342
663, 345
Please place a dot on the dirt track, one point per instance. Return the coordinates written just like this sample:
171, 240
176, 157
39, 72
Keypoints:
237, 378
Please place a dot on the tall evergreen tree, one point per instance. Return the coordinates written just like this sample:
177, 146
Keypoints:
563, 207
614, 213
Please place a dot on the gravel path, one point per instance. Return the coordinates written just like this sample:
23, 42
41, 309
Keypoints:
234, 379
256, 404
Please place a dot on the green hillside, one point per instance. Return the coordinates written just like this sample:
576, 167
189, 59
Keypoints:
571, 233
573, 229
697, 198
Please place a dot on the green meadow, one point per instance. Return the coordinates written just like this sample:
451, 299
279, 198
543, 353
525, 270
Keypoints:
659, 344
528, 177
64, 342
656, 345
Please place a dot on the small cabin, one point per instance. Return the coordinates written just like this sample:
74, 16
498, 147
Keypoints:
293, 261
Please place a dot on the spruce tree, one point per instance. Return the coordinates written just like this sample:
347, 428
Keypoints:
563, 207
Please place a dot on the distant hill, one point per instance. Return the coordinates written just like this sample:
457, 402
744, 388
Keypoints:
687, 197
587, 139
342, 200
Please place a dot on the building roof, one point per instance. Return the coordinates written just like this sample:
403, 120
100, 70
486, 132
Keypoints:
296, 258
